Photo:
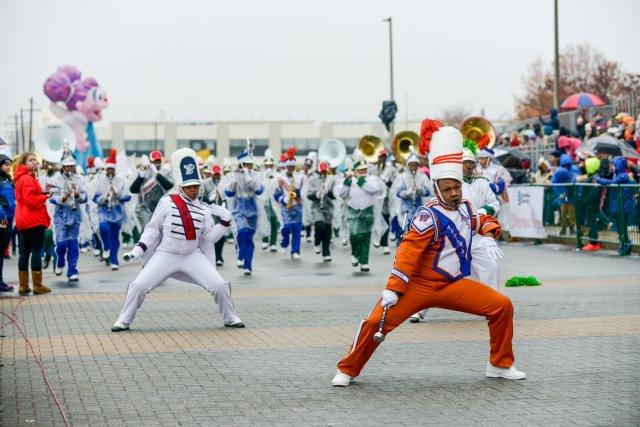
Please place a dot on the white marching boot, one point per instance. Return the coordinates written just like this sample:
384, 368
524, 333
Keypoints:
341, 380
507, 373
119, 326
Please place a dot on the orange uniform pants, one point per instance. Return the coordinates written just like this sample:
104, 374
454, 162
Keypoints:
464, 295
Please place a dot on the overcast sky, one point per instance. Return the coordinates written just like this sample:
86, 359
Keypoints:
280, 59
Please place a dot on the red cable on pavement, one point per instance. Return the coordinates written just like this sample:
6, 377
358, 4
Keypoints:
13, 317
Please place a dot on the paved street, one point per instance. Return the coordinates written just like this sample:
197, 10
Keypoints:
577, 337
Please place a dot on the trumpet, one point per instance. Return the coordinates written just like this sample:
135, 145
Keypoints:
292, 197
111, 197
322, 190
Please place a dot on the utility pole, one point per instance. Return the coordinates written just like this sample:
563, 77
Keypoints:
556, 60
22, 129
392, 127
30, 123
17, 134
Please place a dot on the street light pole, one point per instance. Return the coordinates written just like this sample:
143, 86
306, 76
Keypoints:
556, 81
391, 67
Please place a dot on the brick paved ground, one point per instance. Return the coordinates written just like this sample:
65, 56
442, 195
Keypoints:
577, 337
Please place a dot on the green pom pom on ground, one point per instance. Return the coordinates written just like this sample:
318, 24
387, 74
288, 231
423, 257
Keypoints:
522, 281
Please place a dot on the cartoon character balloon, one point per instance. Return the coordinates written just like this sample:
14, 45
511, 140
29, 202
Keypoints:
78, 103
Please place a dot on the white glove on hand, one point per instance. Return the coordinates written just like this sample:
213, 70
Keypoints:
221, 212
482, 211
389, 298
136, 252
491, 247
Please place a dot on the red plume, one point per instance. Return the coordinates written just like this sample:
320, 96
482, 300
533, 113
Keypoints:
283, 157
426, 131
112, 155
291, 153
91, 162
483, 142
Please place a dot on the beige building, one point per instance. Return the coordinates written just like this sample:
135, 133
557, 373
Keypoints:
228, 139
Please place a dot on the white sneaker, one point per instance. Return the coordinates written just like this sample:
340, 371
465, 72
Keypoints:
316, 249
96, 252
115, 267
308, 239
283, 251
341, 380
235, 324
74, 278
364, 267
240, 263
376, 244
273, 248
295, 256
265, 246
247, 272
57, 270
415, 318
354, 261
105, 255
219, 263
84, 250
508, 373
326, 258
119, 326
386, 250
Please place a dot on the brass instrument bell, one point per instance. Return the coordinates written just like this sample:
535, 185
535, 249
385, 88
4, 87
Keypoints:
402, 143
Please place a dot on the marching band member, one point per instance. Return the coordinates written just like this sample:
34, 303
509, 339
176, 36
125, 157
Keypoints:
110, 196
358, 193
270, 183
244, 189
288, 196
432, 262
68, 195
320, 192
177, 243
308, 168
150, 185
212, 195
499, 178
413, 189
387, 173
475, 189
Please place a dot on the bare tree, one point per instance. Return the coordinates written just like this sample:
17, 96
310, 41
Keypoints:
582, 69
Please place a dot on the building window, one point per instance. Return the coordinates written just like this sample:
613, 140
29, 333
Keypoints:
350, 143
237, 146
198, 144
106, 146
138, 147
303, 145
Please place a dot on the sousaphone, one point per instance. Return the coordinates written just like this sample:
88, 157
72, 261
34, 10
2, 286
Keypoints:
332, 151
53, 140
403, 144
370, 146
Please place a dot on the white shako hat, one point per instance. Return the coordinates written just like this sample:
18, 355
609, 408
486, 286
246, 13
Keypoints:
445, 154
184, 167
467, 154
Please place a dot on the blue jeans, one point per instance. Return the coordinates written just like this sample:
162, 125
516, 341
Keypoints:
110, 235
246, 246
294, 229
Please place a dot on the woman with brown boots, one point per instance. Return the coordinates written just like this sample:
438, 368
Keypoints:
32, 220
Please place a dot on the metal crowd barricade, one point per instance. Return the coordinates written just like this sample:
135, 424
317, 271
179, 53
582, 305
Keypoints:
581, 213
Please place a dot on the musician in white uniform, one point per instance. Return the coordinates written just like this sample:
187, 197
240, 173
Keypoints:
413, 190
178, 243
67, 194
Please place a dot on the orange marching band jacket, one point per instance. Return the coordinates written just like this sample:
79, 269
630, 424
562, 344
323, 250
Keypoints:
437, 245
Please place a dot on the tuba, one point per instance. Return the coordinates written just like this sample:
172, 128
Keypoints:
332, 151
370, 146
53, 140
475, 128
402, 145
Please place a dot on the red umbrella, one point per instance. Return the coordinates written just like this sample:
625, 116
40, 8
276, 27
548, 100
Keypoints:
582, 100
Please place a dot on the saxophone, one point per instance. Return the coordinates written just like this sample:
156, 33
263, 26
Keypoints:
111, 197
292, 196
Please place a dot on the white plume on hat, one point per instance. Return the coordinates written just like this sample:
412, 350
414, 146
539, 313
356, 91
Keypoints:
445, 154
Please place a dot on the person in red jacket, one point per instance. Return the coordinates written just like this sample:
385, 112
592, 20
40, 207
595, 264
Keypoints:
32, 220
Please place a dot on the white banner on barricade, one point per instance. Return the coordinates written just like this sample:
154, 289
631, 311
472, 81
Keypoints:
526, 206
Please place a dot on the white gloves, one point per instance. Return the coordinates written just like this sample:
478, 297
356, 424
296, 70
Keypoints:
136, 252
389, 298
491, 247
482, 211
165, 169
222, 212
144, 161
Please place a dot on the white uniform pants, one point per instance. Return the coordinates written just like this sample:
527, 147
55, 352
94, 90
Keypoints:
195, 268
484, 269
